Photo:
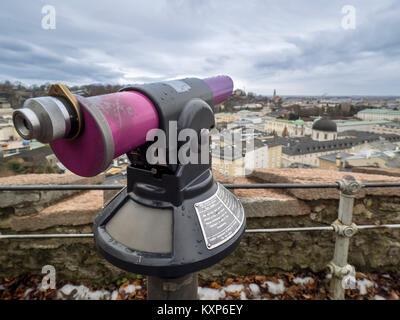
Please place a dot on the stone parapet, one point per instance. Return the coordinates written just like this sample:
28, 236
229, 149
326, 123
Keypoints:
77, 259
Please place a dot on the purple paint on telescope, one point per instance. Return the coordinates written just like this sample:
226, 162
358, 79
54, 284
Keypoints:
114, 124
221, 87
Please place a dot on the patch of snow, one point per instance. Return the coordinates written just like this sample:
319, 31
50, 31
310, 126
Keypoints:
328, 276
67, 292
274, 288
378, 297
114, 295
363, 284
41, 288
243, 296
254, 290
131, 288
98, 295
303, 281
27, 292
81, 293
234, 287
386, 276
210, 294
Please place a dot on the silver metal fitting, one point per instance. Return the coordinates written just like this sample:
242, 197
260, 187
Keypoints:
45, 119
349, 185
344, 230
340, 272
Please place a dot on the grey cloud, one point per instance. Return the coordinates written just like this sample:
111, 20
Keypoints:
294, 46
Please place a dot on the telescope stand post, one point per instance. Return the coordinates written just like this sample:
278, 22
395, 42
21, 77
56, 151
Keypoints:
183, 288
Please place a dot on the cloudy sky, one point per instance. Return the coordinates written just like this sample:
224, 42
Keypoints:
295, 47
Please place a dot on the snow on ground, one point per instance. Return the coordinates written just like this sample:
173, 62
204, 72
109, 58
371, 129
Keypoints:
71, 292
114, 295
81, 292
275, 288
255, 290
363, 284
131, 288
234, 288
210, 293
303, 281
285, 286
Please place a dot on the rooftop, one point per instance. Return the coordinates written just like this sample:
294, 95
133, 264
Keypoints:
350, 138
333, 156
381, 111
325, 124
366, 122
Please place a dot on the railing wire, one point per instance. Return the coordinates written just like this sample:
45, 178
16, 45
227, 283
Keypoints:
84, 187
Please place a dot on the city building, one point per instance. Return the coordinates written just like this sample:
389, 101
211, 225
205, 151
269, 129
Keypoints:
4, 103
307, 151
7, 132
387, 128
236, 160
361, 125
333, 161
6, 113
226, 117
14, 147
378, 114
324, 129
287, 128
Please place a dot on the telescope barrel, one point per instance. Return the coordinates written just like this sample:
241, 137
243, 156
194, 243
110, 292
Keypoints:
221, 87
113, 124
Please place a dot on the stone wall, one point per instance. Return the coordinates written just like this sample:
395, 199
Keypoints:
77, 260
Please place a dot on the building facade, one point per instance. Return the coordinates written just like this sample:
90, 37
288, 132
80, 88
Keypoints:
378, 114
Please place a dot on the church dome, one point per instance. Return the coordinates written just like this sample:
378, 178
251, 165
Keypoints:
325, 125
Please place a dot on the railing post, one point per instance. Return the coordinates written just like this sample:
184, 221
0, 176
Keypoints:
345, 229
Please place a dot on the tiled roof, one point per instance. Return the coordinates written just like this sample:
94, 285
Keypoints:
305, 145
381, 111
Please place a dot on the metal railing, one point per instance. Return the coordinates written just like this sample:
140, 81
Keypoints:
344, 227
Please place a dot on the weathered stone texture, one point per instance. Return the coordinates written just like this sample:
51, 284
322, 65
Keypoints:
77, 259
27, 202
78, 210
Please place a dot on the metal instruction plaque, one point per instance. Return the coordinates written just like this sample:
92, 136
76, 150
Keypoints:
220, 216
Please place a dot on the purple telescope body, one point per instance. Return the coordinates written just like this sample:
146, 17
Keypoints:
109, 125
114, 124
221, 87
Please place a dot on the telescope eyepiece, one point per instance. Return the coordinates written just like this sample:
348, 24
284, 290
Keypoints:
45, 119
26, 123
